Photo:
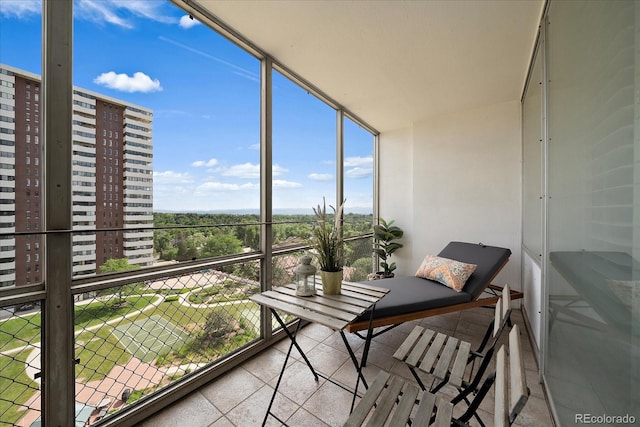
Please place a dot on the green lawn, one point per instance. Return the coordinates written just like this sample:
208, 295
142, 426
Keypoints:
19, 331
99, 353
15, 386
100, 312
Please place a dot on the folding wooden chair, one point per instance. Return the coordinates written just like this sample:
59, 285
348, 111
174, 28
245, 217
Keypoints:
390, 400
445, 358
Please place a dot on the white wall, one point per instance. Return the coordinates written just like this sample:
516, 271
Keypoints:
456, 177
396, 191
532, 288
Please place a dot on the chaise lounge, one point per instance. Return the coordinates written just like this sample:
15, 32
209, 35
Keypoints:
412, 297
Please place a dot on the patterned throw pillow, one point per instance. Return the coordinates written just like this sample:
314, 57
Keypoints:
451, 273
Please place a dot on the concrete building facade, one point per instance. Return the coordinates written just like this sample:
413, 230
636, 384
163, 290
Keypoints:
112, 180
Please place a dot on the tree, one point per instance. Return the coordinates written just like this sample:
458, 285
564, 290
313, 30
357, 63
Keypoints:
187, 247
221, 244
116, 265
362, 268
161, 242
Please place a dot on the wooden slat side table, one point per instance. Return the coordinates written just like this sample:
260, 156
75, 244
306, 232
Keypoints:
332, 311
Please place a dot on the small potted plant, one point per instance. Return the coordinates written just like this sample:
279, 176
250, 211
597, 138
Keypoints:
326, 242
385, 235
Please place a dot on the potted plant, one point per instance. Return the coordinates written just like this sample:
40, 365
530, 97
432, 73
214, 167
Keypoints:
385, 235
326, 242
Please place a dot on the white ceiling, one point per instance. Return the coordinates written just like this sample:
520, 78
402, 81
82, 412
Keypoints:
393, 63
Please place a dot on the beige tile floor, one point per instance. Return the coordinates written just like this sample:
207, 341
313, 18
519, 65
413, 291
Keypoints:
240, 398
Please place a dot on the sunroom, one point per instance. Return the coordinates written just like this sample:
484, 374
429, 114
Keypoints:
161, 162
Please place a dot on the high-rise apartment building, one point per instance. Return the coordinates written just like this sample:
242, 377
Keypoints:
112, 180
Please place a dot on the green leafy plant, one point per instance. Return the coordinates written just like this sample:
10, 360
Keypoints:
327, 239
385, 235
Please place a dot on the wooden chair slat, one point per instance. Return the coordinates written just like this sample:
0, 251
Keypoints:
407, 345
361, 411
506, 301
443, 414
387, 402
501, 414
442, 367
419, 348
497, 319
433, 352
460, 364
425, 409
518, 379
403, 410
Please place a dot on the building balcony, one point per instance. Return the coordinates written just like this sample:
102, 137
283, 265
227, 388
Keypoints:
241, 396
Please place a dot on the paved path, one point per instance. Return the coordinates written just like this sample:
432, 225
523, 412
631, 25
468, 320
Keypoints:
135, 375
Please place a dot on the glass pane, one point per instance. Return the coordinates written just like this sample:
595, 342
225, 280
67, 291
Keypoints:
304, 155
20, 364
137, 338
532, 161
166, 120
21, 175
593, 350
358, 193
21, 257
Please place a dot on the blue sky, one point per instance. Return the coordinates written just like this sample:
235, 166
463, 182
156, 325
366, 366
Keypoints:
204, 92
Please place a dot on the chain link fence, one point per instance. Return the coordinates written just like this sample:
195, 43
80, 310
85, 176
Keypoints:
135, 339
20, 371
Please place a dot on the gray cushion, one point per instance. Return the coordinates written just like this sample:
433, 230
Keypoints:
408, 294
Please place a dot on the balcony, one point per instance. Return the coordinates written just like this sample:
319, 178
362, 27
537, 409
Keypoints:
241, 396
150, 321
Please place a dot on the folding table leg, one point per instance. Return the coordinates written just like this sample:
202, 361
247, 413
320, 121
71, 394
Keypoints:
292, 337
367, 341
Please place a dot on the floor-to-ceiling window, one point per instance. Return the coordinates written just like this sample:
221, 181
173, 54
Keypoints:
166, 171
166, 166
358, 185
592, 263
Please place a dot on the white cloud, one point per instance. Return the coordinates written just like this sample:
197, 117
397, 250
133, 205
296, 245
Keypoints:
278, 170
280, 183
245, 170
251, 171
209, 163
118, 12
139, 82
171, 177
115, 12
358, 161
358, 167
320, 176
254, 147
187, 22
214, 186
358, 172
20, 8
